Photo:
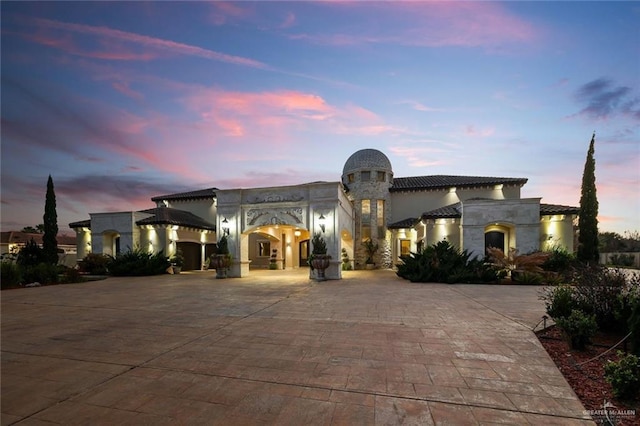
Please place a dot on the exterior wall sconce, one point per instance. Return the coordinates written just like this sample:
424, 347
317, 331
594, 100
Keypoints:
225, 227
321, 222
297, 234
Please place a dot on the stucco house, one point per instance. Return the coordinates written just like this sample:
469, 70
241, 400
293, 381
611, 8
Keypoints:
400, 214
11, 242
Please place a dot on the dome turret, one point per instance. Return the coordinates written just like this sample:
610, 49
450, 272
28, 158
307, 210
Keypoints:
367, 159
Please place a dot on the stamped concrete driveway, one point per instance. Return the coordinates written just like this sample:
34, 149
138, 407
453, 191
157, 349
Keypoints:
276, 348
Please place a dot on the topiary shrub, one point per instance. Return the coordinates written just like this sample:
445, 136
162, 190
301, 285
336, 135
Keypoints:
579, 328
136, 262
624, 376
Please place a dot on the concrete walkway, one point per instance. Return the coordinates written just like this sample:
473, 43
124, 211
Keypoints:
276, 348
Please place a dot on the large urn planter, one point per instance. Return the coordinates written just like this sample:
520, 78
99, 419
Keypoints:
221, 263
320, 263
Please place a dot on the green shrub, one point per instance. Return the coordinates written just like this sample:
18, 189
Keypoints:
444, 263
633, 323
10, 276
621, 259
43, 273
69, 275
559, 301
624, 376
579, 328
30, 255
560, 261
94, 264
598, 291
136, 262
527, 278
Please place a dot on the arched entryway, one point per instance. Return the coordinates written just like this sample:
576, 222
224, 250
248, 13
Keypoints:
277, 247
111, 243
500, 236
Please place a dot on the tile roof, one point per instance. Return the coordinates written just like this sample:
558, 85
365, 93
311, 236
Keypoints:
452, 211
190, 195
169, 216
163, 216
417, 183
409, 222
81, 224
548, 209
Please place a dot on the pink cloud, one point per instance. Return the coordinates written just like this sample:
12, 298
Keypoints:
434, 24
418, 106
243, 113
127, 91
281, 116
420, 157
471, 130
289, 21
155, 45
223, 10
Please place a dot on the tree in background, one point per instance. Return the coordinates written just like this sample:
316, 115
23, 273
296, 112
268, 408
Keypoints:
50, 226
588, 224
39, 229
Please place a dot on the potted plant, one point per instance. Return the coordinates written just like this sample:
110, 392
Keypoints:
273, 261
221, 259
319, 260
346, 262
370, 248
177, 261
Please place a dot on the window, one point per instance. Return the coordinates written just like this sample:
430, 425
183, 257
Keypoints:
380, 218
366, 232
351, 178
381, 176
365, 176
365, 217
264, 249
405, 247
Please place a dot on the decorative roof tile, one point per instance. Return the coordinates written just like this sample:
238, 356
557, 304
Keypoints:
81, 224
417, 183
169, 216
452, 211
409, 222
199, 194
549, 209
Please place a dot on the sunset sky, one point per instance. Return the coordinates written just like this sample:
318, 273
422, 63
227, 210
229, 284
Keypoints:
123, 101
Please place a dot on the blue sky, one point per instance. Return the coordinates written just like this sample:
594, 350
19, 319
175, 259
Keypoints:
123, 101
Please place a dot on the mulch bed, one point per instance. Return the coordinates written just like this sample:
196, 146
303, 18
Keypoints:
587, 380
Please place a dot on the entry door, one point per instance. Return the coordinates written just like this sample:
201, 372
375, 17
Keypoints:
304, 253
494, 239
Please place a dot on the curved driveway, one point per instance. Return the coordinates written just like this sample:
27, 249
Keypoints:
276, 348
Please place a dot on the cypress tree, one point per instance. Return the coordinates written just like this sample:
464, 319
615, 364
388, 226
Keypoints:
50, 218
588, 223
